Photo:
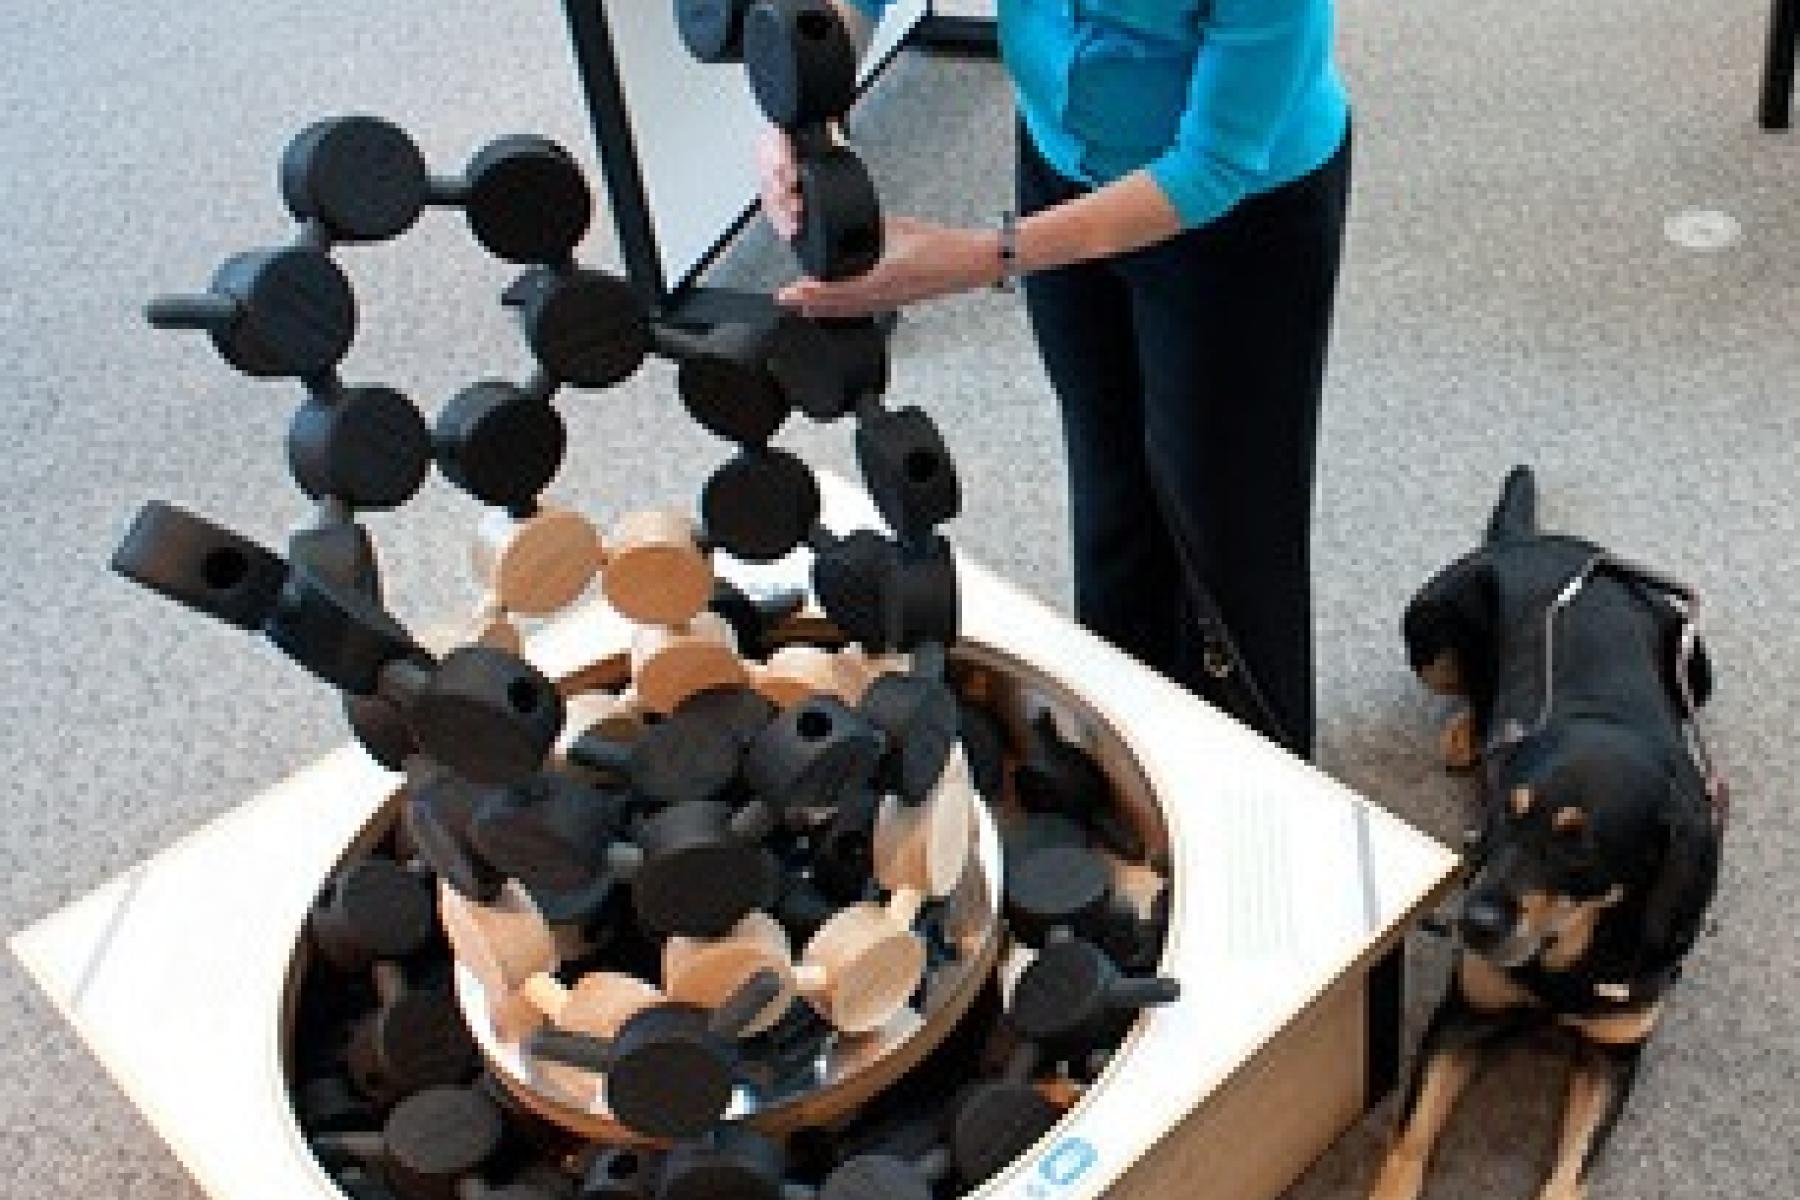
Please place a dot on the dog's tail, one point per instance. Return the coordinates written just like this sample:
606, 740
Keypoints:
1516, 514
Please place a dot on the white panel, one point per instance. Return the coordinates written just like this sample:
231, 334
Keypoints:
695, 125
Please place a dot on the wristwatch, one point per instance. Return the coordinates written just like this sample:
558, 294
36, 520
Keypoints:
1009, 252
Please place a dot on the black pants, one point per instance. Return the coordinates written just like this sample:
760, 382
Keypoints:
1194, 367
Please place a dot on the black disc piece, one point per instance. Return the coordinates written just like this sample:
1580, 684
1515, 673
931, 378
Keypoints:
328, 1105
1056, 885
381, 729
361, 177
996, 1122
1057, 776
1039, 831
853, 578
802, 908
737, 1163
984, 745
526, 200
368, 447
341, 553
338, 634
908, 471
585, 327
549, 832
437, 1136
698, 878
617, 1173
801, 61
670, 1075
712, 30
843, 849
813, 754
840, 233
488, 715
371, 909
759, 506
1072, 998
925, 601
499, 445
828, 367
921, 721
727, 387
689, 756
418, 1041
201, 565
437, 816
742, 710
875, 1177
295, 314
754, 619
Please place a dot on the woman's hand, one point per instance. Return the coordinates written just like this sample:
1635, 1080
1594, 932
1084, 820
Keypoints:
920, 261
778, 180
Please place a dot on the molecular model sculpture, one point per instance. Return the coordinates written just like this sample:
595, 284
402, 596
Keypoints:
666, 905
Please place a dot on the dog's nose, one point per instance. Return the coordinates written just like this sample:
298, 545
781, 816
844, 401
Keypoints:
1486, 921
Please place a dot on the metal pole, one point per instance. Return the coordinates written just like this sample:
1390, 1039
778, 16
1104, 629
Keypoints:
600, 82
1778, 73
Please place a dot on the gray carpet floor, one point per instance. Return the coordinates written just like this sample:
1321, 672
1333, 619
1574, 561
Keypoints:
1508, 296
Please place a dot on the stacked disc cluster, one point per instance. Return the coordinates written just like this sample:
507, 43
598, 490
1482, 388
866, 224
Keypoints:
653, 899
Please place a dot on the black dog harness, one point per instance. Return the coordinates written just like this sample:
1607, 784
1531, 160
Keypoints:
1513, 732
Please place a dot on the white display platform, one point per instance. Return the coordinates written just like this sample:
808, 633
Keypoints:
1288, 889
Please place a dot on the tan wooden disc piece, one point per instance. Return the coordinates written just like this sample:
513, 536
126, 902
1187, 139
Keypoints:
1137, 883
599, 1004
707, 971
925, 847
503, 944
859, 1052
1061, 1091
794, 673
864, 963
489, 625
655, 572
616, 718
671, 663
857, 669
538, 565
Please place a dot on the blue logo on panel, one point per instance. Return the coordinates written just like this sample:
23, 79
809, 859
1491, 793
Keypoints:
1068, 1161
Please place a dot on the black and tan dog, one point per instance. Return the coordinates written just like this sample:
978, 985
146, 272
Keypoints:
1602, 816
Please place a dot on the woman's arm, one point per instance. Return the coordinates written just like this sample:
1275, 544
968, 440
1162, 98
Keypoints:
1247, 74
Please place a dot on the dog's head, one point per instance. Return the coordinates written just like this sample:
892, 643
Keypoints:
1589, 817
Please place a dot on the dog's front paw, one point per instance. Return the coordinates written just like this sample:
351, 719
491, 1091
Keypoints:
1461, 748
1564, 1189
1402, 1177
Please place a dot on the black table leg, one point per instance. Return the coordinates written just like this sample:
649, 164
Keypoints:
1778, 74
1387, 988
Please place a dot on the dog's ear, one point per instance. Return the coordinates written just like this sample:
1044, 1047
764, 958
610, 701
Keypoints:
1449, 627
1684, 879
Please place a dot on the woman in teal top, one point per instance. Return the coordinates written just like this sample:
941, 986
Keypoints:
1182, 185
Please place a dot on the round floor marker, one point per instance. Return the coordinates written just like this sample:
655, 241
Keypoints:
1703, 229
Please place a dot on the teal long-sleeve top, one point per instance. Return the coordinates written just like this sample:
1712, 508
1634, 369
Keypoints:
1217, 99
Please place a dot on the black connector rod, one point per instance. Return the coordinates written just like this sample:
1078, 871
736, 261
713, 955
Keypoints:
204, 310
